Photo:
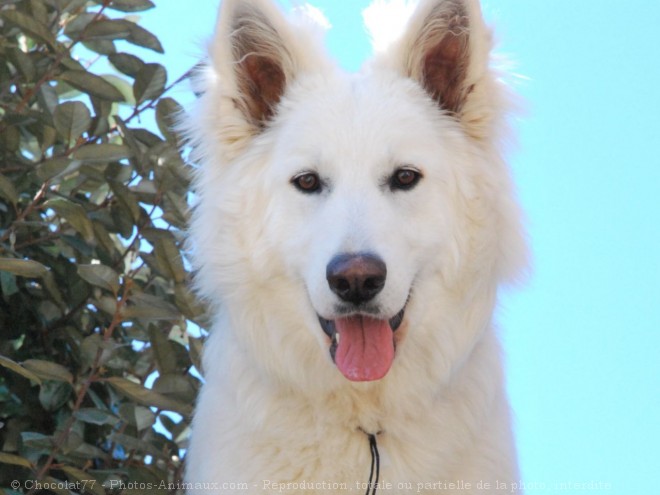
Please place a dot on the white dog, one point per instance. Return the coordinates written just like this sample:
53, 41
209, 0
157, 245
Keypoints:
351, 234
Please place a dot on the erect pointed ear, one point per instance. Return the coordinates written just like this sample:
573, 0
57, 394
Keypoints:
445, 48
256, 54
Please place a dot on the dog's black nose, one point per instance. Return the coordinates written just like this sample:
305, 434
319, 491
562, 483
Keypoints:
356, 278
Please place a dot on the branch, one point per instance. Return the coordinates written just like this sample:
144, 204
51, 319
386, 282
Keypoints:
138, 110
92, 377
24, 213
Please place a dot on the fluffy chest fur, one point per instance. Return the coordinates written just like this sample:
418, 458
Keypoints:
261, 433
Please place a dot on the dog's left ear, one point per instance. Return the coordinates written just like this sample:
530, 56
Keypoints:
445, 48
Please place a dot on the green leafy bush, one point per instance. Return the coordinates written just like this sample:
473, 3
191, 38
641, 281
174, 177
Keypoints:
94, 297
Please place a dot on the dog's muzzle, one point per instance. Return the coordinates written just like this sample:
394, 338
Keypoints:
361, 343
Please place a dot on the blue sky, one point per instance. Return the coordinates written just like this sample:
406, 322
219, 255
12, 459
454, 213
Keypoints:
583, 336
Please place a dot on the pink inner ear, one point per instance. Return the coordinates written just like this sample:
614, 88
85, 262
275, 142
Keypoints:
445, 70
262, 82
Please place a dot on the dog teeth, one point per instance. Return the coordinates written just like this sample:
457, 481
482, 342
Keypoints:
337, 337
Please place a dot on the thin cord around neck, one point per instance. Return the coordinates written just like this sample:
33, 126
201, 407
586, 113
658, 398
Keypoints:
375, 462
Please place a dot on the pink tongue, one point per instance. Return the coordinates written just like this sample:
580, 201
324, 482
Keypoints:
366, 348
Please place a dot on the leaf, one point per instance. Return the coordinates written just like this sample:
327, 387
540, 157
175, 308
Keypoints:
35, 29
54, 394
176, 387
37, 441
67, 6
108, 29
123, 223
56, 486
196, 346
103, 108
48, 98
105, 152
17, 368
7, 190
125, 88
91, 84
74, 64
71, 119
15, 460
180, 431
187, 303
144, 417
141, 37
8, 285
145, 187
138, 416
104, 244
39, 12
96, 416
10, 138
23, 63
52, 288
169, 259
106, 304
85, 481
103, 47
77, 24
72, 441
23, 268
153, 234
93, 344
166, 113
147, 397
132, 5
132, 443
57, 167
150, 308
113, 480
147, 138
87, 451
47, 138
126, 63
149, 82
126, 198
100, 276
47, 370
164, 354
176, 209
75, 214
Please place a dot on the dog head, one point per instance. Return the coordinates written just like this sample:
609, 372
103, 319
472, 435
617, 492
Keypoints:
329, 200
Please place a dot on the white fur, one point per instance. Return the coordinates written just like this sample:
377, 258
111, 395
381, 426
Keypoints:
275, 408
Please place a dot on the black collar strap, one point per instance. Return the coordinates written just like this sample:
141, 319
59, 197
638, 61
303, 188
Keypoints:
375, 462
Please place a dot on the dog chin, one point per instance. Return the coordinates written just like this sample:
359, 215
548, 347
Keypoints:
362, 346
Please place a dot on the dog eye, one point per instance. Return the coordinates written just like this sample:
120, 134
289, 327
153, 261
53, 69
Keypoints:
307, 182
404, 179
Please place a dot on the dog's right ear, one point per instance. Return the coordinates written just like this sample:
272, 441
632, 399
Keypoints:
261, 64
256, 53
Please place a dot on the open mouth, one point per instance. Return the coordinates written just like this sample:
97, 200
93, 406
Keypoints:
362, 346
